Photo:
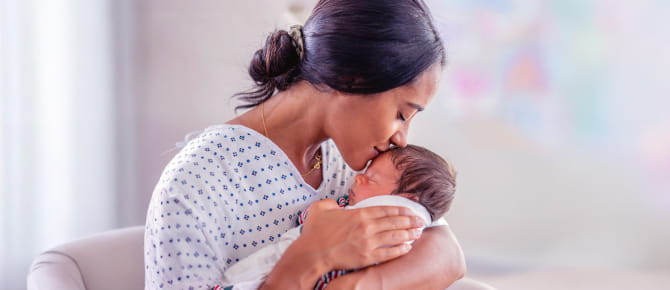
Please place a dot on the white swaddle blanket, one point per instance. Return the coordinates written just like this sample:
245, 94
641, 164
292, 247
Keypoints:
250, 272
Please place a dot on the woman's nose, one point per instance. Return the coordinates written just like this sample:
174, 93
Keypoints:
400, 137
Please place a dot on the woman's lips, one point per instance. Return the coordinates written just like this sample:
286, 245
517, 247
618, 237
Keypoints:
376, 151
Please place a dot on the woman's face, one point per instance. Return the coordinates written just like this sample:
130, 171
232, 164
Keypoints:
364, 126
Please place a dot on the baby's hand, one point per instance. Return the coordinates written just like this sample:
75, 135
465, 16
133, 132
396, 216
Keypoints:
324, 204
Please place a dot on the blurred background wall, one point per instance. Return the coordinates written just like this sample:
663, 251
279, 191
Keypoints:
553, 112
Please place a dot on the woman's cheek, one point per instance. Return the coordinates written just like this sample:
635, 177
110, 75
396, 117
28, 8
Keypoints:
358, 160
390, 129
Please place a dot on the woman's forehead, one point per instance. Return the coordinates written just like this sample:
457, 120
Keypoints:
424, 87
418, 94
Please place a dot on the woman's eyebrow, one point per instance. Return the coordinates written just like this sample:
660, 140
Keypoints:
418, 107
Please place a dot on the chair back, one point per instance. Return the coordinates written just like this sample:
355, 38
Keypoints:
109, 260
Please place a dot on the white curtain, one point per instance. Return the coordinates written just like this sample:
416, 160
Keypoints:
57, 128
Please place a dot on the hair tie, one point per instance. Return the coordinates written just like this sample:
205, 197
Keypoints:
296, 33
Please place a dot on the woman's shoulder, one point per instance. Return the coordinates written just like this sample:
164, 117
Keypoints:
225, 143
220, 155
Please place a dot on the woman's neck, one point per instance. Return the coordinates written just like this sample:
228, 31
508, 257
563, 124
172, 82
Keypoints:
292, 119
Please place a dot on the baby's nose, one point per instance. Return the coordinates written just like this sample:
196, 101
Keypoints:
359, 179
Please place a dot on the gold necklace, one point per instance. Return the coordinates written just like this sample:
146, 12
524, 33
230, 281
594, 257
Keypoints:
317, 157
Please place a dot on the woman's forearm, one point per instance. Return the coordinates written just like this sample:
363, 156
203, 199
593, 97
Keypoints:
435, 262
298, 268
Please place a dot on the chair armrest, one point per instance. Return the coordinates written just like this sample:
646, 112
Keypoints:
54, 270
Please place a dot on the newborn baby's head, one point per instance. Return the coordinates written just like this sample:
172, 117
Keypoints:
412, 172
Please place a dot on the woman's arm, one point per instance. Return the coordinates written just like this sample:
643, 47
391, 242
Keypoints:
435, 262
342, 239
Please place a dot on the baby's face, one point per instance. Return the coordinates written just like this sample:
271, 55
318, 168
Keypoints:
381, 178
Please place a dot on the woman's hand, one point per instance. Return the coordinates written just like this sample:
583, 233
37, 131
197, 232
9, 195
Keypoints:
333, 238
436, 245
350, 239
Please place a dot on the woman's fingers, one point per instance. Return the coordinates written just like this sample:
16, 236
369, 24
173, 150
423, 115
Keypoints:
375, 212
391, 238
397, 223
389, 253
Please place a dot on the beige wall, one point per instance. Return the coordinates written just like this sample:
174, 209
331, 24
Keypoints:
518, 203
190, 58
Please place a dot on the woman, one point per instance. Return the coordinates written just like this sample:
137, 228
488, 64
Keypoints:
329, 97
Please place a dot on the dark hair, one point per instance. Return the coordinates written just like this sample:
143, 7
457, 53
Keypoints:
426, 175
352, 46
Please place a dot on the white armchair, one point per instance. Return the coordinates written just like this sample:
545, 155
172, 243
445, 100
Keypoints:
113, 260
110, 260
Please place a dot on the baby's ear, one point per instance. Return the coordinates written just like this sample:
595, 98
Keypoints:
409, 196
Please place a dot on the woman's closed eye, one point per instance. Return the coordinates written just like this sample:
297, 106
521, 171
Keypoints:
401, 117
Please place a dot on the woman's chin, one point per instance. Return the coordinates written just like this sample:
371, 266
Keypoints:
358, 165
359, 162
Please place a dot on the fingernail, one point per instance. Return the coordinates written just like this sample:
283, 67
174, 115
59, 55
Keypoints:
419, 222
416, 233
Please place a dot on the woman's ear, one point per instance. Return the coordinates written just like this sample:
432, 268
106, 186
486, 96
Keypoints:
409, 196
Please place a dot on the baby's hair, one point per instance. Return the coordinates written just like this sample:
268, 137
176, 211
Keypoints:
426, 175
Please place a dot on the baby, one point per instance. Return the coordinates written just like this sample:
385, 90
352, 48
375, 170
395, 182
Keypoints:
413, 177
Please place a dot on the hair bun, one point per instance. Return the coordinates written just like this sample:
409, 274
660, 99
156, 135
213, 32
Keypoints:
351, 46
274, 67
